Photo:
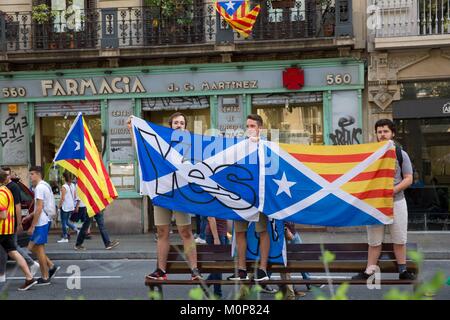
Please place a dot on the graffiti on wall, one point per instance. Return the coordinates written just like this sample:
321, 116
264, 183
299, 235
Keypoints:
13, 130
345, 134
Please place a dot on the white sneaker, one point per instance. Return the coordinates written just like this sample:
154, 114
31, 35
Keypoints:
3, 278
34, 268
63, 240
200, 241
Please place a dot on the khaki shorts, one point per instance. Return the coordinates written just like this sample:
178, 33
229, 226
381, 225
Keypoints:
261, 225
398, 229
163, 217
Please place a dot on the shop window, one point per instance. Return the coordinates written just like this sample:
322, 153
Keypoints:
427, 142
53, 132
296, 124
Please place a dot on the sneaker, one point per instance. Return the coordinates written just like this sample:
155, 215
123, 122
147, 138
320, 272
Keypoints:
268, 289
28, 284
200, 241
299, 293
241, 275
52, 271
34, 268
79, 248
3, 278
406, 275
158, 274
42, 282
318, 286
361, 276
63, 240
112, 244
196, 275
261, 275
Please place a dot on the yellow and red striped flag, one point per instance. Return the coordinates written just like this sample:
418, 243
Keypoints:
79, 155
238, 15
331, 185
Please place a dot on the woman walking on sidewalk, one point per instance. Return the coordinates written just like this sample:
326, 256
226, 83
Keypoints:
66, 206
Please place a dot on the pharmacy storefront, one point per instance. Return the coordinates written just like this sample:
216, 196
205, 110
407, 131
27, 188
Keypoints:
308, 102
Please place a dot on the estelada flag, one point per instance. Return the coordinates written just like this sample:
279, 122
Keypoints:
329, 185
238, 15
79, 155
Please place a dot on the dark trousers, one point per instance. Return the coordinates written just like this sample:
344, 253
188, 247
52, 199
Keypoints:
101, 226
216, 276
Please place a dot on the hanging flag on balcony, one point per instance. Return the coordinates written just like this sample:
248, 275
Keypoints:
238, 15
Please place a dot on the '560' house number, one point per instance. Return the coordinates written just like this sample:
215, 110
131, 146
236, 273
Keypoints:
14, 92
337, 79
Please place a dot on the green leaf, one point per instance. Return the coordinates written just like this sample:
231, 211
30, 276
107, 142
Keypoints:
155, 295
341, 292
395, 294
196, 294
416, 256
328, 257
279, 295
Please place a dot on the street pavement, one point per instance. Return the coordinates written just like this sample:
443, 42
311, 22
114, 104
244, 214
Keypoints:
98, 274
124, 279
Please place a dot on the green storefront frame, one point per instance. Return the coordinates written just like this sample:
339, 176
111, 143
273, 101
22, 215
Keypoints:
180, 70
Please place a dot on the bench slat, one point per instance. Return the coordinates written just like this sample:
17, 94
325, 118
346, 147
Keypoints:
293, 266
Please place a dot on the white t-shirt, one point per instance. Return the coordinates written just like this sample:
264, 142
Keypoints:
82, 205
70, 197
43, 192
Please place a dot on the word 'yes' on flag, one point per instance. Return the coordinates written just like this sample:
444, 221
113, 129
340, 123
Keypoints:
235, 179
238, 15
79, 155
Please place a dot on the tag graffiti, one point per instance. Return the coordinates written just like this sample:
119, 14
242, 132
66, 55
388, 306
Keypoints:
343, 136
13, 130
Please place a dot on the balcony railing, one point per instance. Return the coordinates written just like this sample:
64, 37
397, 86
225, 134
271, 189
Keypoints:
148, 26
396, 18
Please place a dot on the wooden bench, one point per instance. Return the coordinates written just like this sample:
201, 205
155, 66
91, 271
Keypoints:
349, 258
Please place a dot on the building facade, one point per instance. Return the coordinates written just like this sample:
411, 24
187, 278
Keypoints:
302, 70
408, 81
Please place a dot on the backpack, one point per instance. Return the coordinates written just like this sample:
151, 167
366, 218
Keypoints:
50, 207
398, 153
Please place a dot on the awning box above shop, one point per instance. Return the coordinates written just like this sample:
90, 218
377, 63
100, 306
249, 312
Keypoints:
422, 108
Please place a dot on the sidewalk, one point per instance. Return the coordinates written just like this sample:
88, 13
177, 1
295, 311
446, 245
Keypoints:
143, 246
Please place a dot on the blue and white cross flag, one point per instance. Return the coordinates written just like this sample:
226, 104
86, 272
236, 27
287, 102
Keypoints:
197, 174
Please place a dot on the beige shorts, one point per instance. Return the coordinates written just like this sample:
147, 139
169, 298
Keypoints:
398, 229
163, 217
261, 225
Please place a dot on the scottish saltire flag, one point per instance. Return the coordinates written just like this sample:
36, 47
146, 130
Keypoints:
191, 173
329, 185
78, 154
238, 15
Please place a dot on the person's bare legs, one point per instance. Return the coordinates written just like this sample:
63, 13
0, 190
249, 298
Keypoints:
400, 253
190, 248
163, 246
241, 243
372, 259
22, 264
42, 258
264, 246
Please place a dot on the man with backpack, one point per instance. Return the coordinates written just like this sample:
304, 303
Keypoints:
385, 130
44, 211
